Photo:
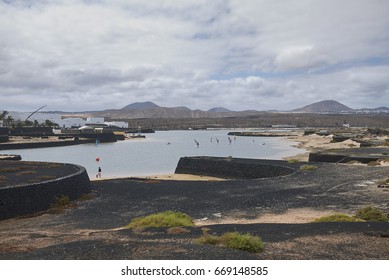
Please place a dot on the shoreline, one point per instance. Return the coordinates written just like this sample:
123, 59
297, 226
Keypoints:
164, 177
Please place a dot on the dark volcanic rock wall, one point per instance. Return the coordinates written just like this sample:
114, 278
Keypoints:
231, 168
27, 199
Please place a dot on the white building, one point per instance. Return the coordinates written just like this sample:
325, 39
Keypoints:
95, 120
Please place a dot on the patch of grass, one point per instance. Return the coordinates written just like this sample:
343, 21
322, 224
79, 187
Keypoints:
234, 240
209, 239
385, 154
336, 218
307, 167
292, 160
86, 196
27, 172
52, 165
163, 219
371, 214
177, 230
373, 163
45, 177
10, 169
62, 201
60, 204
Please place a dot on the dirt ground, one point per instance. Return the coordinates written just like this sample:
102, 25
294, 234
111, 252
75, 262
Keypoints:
278, 210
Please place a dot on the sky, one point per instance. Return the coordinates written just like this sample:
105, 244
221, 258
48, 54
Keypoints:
80, 55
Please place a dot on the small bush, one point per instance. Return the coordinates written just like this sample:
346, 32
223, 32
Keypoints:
308, 167
244, 242
371, 214
336, 218
60, 204
209, 239
164, 219
373, 163
177, 230
293, 160
62, 201
234, 240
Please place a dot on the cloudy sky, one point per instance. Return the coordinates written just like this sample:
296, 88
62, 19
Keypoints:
75, 55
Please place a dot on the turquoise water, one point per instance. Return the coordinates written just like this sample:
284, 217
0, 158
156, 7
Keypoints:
159, 152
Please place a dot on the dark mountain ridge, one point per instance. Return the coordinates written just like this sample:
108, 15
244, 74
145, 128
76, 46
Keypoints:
325, 106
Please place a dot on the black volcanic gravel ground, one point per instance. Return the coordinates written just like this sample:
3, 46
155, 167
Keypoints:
93, 230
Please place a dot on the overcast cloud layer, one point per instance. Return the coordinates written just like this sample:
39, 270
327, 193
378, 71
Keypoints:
241, 54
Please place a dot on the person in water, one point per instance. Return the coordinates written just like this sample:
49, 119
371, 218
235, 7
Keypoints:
99, 173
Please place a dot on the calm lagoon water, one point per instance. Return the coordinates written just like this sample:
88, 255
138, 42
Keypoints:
153, 155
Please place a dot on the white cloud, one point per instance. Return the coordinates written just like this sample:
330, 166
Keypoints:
246, 54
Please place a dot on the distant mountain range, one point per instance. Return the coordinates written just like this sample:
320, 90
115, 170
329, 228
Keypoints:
150, 110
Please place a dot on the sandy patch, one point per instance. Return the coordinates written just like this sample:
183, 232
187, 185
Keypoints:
174, 177
293, 216
183, 177
314, 142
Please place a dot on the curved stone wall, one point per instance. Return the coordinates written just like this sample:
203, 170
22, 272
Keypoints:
232, 168
31, 198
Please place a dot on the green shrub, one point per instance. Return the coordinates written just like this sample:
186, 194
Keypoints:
244, 242
62, 201
234, 240
60, 204
292, 160
371, 214
209, 239
336, 218
308, 167
164, 219
177, 230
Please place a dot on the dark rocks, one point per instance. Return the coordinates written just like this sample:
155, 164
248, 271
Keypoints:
233, 168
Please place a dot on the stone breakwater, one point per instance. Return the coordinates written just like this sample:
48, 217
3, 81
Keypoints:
232, 168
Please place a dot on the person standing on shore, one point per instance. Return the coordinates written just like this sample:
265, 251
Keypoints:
99, 172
